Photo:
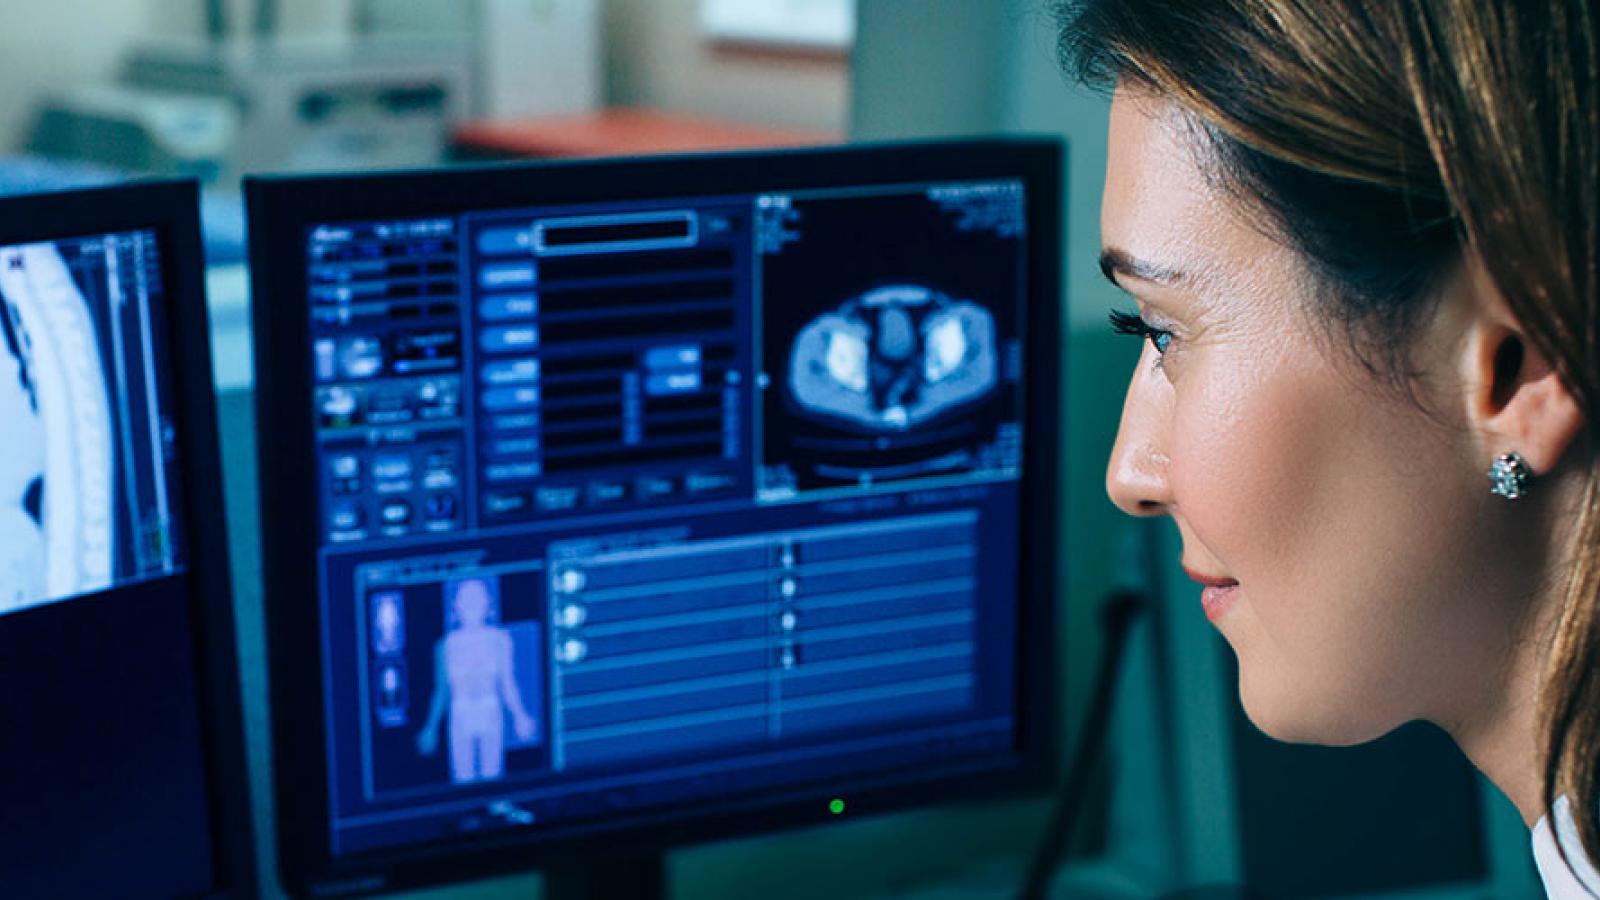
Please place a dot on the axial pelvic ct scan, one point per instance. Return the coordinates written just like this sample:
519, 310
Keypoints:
889, 338
893, 358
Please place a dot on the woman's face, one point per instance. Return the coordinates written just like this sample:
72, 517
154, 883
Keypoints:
1354, 523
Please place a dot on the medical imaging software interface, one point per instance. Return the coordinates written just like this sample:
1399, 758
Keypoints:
88, 488
625, 506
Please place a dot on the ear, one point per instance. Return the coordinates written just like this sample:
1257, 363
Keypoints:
1515, 399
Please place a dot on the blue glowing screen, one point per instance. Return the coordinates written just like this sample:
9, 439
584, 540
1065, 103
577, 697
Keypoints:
629, 506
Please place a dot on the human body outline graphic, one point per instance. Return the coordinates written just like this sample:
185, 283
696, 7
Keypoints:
474, 675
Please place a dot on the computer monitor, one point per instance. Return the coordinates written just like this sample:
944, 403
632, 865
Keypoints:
122, 762
620, 504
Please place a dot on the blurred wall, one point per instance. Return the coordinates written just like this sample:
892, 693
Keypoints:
656, 56
314, 17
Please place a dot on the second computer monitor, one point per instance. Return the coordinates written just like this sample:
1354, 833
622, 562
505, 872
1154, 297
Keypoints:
121, 745
620, 501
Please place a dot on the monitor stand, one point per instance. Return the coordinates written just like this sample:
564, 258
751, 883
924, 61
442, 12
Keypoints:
641, 876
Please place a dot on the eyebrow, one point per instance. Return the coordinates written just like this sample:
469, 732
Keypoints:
1114, 262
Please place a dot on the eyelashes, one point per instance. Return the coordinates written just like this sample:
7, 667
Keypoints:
1128, 323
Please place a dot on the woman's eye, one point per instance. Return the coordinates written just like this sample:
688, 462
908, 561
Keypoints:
1129, 323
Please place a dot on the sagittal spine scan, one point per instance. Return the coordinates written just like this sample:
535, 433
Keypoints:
893, 358
56, 528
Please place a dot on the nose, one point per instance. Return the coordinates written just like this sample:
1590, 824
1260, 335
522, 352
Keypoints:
1137, 474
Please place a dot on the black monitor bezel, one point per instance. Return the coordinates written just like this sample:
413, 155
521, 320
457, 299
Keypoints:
282, 208
172, 210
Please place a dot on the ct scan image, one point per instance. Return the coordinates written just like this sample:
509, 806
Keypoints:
890, 349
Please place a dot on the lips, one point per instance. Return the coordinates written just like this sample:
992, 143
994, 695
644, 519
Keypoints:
1218, 595
1218, 600
1210, 580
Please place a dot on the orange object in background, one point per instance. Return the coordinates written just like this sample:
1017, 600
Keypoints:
622, 132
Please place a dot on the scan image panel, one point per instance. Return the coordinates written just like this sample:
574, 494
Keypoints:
85, 495
889, 337
893, 359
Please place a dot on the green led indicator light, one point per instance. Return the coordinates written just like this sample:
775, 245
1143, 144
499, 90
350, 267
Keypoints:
836, 806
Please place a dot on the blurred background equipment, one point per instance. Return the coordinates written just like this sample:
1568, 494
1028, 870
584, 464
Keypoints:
824, 25
530, 57
135, 129
260, 105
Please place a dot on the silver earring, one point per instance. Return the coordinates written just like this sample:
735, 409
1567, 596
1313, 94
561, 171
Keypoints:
1509, 476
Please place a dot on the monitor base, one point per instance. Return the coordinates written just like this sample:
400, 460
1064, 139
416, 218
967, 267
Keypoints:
641, 876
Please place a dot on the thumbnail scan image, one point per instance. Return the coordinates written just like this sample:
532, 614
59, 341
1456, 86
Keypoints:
888, 322
56, 457
456, 691
893, 358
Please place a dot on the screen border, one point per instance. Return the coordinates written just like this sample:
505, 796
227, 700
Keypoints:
171, 208
282, 208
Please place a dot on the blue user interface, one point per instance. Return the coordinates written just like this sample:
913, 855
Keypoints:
631, 506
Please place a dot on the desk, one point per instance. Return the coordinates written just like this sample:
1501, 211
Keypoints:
622, 132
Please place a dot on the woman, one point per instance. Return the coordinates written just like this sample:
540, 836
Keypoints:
1363, 240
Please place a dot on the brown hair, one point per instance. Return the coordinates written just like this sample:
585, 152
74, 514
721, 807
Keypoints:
1386, 141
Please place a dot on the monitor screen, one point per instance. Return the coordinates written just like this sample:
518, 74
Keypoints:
630, 506
89, 467
115, 715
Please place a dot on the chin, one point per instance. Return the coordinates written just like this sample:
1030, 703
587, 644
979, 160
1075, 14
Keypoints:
1289, 712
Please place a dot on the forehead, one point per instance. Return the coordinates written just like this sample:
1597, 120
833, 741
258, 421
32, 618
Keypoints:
1161, 207
1156, 196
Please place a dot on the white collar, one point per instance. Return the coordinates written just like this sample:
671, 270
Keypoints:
1580, 881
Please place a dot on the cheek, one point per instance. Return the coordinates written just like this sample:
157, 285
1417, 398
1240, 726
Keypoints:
1245, 447
1323, 502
